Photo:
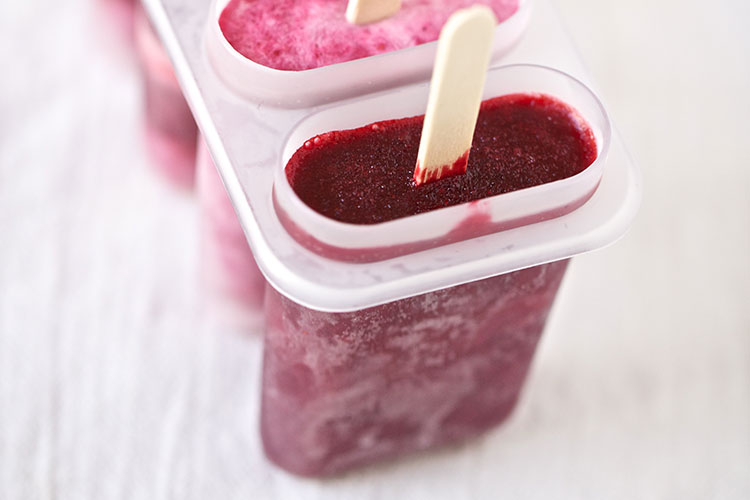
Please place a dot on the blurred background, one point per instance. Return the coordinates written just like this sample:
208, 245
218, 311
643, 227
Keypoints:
117, 381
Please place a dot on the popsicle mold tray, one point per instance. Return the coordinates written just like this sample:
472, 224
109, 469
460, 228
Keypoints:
253, 118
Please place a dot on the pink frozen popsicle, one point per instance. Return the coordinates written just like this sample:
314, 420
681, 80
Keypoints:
304, 34
346, 389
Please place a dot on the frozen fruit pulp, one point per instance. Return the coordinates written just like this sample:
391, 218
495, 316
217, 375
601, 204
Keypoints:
365, 175
346, 389
297, 35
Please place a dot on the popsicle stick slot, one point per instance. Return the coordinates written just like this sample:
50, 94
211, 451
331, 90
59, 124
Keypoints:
370, 11
456, 88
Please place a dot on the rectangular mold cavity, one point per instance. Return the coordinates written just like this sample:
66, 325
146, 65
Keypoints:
295, 89
371, 242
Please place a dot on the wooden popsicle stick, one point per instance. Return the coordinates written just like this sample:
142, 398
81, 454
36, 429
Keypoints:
369, 11
456, 88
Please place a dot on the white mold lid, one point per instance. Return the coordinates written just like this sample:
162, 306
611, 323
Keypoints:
247, 141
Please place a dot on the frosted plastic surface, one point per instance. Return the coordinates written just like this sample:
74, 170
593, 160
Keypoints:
246, 140
345, 389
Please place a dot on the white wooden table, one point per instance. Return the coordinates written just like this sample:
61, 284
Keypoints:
116, 383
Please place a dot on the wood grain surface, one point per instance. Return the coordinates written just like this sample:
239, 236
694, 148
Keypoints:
116, 382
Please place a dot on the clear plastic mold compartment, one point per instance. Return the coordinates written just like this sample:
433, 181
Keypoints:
296, 89
372, 242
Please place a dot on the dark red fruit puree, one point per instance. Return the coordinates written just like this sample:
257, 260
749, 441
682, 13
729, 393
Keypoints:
365, 175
